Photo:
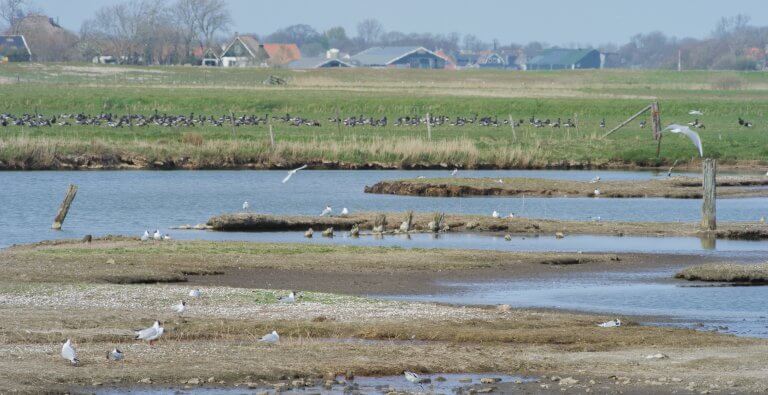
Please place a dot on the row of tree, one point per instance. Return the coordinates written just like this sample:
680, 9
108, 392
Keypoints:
175, 31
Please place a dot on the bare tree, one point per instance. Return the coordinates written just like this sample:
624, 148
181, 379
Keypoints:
11, 11
185, 17
212, 17
370, 30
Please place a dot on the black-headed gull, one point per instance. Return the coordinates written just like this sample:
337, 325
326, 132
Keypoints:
595, 180
495, 214
455, 172
610, 324
150, 334
145, 236
326, 211
115, 355
413, 377
68, 352
180, 308
309, 233
157, 235
597, 192
288, 299
246, 205
344, 211
194, 293
270, 338
292, 172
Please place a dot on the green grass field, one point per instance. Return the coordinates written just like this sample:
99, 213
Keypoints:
587, 96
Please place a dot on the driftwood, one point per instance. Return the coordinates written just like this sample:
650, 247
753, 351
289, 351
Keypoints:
64, 208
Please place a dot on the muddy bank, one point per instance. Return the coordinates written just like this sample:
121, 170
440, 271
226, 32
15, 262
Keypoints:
253, 222
672, 187
134, 161
729, 273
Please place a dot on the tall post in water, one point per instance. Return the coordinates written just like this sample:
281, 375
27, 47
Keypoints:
708, 218
64, 208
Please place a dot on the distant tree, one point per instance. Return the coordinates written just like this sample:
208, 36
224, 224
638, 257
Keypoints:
472, 43
12, 11
370, 31
212, 18
337, 38
296, 34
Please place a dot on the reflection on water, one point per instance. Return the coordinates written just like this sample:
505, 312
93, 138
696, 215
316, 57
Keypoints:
738, 310
127, 202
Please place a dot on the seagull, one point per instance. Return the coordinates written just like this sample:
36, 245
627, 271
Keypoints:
511, 215
675, 128
292, 172
246, 206
500, 181
150, 334
309, 233
455, 172
195, 293
597, 192
145, 236
166, 237
495, 214
404, 226
288, 299
157, 235
115, 355
68, 352
695, 112
610, 324
762, 219
326, 211
413, 377
271, 338
180, 308
421, 177
344, 211
595, 180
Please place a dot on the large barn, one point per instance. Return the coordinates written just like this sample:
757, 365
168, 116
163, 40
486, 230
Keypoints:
560, 58
399, 57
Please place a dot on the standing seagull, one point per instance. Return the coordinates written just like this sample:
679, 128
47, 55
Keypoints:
145, 236
195, 293
292, 172
68, 352
246, 206
270, 338
495, 214
180, 308
150, 334
344, 211
115, 355
157, 235
597, 192
455, 172
288, 299
675, 128
326, 211
414, 378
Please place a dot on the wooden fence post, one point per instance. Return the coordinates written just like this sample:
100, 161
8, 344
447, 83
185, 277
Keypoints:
64, 208
271, 137
708, 217
512, 124
429, 128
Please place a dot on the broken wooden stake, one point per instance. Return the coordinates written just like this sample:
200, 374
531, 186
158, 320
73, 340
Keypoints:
271, 137
708, 217
64, 208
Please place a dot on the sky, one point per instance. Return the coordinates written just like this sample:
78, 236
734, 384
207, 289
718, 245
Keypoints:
556, 22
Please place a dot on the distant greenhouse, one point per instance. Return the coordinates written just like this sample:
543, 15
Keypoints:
559, 59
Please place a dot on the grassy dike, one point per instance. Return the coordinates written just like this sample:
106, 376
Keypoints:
588, 96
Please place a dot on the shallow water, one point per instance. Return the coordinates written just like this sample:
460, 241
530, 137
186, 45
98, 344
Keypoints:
651, 293
361, 383
127, 202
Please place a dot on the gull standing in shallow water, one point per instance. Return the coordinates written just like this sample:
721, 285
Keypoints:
68, 352
150, 334
292, 172
693, 136
270, 338
455, 172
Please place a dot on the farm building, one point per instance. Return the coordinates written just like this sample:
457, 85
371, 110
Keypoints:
244, 51
491, 60
281, 54
399, 57
210, 58
14, 49
318, 63
559, 58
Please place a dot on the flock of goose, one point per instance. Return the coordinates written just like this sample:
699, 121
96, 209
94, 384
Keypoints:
154, 332
230, 120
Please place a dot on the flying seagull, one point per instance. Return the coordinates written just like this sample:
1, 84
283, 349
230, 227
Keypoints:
611, 324
115, 355
271, 338
292, 172
68, 352
150, 334
675, 128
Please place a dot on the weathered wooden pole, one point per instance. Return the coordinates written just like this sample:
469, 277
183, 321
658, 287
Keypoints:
271, 137
429, 128
64, 208
512, 124
656, 124
232, 121
621, 125
708, 218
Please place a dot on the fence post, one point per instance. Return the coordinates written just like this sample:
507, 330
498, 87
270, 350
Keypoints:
512, 124
429, 128
64, 208
271, 137
708, 217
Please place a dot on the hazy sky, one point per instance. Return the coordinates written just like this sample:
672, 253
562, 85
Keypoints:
559, 22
